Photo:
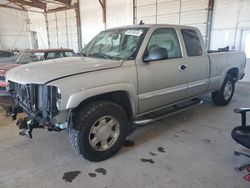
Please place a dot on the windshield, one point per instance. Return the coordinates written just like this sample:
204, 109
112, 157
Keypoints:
26, 57
116, 44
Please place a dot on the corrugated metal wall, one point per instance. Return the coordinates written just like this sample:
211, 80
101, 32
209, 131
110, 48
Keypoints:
118, 13
184, 12
62, 28
14, 29
38, 24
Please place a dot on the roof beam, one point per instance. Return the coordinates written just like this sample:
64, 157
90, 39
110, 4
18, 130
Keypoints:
34, 3
66, 2
61, 9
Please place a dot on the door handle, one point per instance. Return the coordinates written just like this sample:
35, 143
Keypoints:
183, 67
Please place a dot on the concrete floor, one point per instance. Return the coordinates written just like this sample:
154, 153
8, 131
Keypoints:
197, 144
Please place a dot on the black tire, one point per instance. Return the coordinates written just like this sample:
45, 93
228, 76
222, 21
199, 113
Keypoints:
85, 119
218, 97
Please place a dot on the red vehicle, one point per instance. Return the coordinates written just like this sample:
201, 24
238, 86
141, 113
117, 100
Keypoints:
29, 56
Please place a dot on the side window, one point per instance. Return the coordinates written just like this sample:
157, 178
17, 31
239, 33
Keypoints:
165, 38
54, 55
192, 42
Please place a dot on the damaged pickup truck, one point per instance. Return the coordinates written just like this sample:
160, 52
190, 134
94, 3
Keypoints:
131, 75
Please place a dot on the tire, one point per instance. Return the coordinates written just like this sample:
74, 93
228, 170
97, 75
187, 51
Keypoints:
98, 121
223, 96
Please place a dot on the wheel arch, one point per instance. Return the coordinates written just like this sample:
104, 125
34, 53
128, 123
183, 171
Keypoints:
232, 70
125, 96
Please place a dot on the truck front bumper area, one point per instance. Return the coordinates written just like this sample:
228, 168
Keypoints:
34, 120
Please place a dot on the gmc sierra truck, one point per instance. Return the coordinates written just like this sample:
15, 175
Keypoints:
131, 75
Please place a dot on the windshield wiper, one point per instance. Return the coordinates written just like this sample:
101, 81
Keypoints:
101, 55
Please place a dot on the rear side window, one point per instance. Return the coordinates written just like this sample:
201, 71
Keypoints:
192, 42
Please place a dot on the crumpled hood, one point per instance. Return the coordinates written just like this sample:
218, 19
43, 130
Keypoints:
46, 71
5, 68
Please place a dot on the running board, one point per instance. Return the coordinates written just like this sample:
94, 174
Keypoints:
155, 116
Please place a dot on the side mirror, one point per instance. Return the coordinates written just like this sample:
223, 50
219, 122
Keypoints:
156, 54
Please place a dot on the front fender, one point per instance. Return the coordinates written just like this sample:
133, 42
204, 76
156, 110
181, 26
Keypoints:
76, 98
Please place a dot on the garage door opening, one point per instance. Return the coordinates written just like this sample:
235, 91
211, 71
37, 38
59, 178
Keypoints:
245, 46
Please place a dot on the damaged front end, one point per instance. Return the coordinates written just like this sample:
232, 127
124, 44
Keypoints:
42, 105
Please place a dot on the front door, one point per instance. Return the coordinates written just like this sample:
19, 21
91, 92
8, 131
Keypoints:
162, 82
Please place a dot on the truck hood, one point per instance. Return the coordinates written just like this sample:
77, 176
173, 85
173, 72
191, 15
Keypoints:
5, 68
46, 71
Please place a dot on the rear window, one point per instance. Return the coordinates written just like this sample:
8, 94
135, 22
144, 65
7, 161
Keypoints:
68, 54
192, 42
54, 55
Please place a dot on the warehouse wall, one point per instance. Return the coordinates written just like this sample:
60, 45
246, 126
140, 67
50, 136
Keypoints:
38, 24
230, 18
91, 19
119, 13
184, 12
62, 28
14, 29
231, 22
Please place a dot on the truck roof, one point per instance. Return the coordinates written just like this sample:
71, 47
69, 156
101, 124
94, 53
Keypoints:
154, 26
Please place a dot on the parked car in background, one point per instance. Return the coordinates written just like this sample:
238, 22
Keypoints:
7, 57
28, 56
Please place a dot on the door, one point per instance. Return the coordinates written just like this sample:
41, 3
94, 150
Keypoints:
197, 63
162, 82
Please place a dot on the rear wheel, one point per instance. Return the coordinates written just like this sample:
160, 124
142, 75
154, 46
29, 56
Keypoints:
100, 129
224, 95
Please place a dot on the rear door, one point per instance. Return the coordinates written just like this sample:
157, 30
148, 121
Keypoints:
197, 62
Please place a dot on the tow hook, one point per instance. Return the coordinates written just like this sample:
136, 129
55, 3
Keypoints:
27, 125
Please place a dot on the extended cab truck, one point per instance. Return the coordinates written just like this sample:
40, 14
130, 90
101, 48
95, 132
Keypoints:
127, 75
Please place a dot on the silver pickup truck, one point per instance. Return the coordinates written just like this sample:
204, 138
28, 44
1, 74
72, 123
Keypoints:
127, 76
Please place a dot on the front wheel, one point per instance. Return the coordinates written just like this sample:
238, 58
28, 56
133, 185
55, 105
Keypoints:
100, 129
223, 96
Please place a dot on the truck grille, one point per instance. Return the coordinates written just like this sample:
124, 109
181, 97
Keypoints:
36, 98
